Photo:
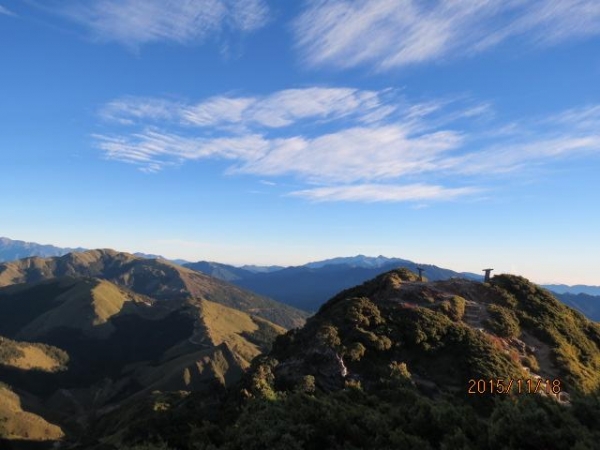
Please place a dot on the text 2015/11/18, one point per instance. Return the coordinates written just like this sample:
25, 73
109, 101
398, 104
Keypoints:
515, 386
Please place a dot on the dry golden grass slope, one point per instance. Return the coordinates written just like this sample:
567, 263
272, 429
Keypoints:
17, 423
230, 326
31, 356
34, 358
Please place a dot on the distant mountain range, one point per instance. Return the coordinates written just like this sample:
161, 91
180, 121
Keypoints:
308, 286
11, 250
575, 289
357, 261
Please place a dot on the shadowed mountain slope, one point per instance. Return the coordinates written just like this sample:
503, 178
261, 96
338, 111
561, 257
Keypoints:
77, 347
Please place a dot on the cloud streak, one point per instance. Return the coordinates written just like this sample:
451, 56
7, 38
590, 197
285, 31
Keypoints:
5, 11
371, 193
137, 22
276, 110
345, 144
395, 33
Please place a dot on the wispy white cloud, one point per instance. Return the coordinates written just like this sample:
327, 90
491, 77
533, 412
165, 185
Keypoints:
137, 22
322, 138
154, 150
277, 110
217, 111
393, 33
586, 118
355, 154
384, 193
6, 11
512, 157
129, 110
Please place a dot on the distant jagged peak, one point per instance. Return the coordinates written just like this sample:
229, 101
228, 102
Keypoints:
12, 250
261, 269
359, 260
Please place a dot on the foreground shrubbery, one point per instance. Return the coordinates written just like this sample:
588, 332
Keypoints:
388, 417
406, 385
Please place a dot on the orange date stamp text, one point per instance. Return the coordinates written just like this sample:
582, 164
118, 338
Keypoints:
515, 386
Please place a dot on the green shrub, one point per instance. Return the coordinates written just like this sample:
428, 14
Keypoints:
503, 321
328, 336
531, 362
454, 308
356, 351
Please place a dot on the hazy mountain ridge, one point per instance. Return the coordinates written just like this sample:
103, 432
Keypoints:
254, 268
358, 261
574, 289
308, 287
11, 250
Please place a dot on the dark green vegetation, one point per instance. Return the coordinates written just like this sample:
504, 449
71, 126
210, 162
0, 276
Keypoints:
388, 365
573, 339
503, 321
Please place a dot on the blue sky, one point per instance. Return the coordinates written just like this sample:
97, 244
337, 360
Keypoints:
462, 134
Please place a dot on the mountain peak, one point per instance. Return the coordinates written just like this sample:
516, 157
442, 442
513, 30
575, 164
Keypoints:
156, 278
470, 329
